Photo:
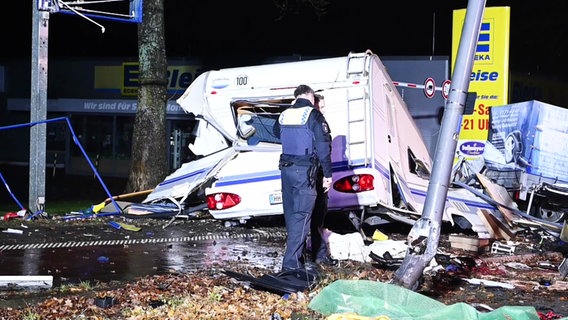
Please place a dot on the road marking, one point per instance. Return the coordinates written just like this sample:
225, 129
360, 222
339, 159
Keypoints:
96, 243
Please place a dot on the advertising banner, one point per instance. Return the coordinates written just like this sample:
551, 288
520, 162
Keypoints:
489, 77
531, 137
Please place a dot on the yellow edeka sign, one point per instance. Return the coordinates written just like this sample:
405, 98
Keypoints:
126, 78
489, 77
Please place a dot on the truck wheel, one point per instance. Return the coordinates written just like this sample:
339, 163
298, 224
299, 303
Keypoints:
550, 213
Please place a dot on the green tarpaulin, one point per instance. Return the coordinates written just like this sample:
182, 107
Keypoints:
373, 299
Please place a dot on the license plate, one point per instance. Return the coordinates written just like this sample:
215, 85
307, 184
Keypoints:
275, 198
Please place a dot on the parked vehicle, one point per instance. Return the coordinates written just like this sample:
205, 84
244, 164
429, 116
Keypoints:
381, 166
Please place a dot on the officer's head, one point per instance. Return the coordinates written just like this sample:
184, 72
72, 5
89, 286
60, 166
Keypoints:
305, 92
319, 102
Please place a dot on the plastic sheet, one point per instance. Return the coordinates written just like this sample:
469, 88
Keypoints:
376, 299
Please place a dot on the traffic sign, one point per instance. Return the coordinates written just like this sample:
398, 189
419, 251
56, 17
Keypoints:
446, 89
429, 87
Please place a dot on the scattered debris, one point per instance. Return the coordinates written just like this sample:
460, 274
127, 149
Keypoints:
114, 225
129, 227
15, 231
379, 236
21, 281
517, 266
10, 215
105, 302
285, 282
469, 243
498, 247
125, 226
490, 283
103, 259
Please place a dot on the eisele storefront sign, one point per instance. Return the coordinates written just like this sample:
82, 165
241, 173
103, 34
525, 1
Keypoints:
125, 78
118, 85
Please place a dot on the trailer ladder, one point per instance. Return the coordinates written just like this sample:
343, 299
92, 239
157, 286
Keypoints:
357, 97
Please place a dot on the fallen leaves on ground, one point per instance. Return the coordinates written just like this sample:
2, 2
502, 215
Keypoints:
206, 294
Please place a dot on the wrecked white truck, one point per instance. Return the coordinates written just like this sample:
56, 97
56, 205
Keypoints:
381, 165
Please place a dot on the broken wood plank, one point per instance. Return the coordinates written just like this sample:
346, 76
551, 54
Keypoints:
501, 230
492, 228
468, 243
501, 195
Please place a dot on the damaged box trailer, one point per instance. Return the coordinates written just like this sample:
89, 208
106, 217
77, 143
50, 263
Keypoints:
381, 165
525, 152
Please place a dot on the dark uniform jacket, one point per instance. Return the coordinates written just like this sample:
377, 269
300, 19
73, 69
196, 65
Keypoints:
305, 134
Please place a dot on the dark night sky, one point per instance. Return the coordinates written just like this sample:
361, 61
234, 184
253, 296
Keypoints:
233, 33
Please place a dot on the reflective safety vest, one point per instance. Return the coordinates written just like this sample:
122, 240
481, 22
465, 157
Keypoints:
297, 139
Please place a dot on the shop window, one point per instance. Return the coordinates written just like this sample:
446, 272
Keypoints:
124, 127
107, 140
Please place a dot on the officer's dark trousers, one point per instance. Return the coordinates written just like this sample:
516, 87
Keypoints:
298, 200
319, 245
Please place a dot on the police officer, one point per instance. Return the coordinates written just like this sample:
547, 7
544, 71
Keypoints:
306, 145
319, 241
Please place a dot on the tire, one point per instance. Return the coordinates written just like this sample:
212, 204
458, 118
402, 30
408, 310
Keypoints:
550, 212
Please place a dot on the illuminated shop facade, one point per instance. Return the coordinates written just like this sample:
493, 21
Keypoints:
100, 99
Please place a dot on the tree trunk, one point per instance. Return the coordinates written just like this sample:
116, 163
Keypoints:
149, 162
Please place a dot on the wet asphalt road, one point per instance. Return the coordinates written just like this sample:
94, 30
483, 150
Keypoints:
123, 262
74, 252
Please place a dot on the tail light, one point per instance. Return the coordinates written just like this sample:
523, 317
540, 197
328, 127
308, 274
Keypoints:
220, 201
355, 183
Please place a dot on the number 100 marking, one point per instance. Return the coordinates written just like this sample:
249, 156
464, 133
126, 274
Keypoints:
242, 80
